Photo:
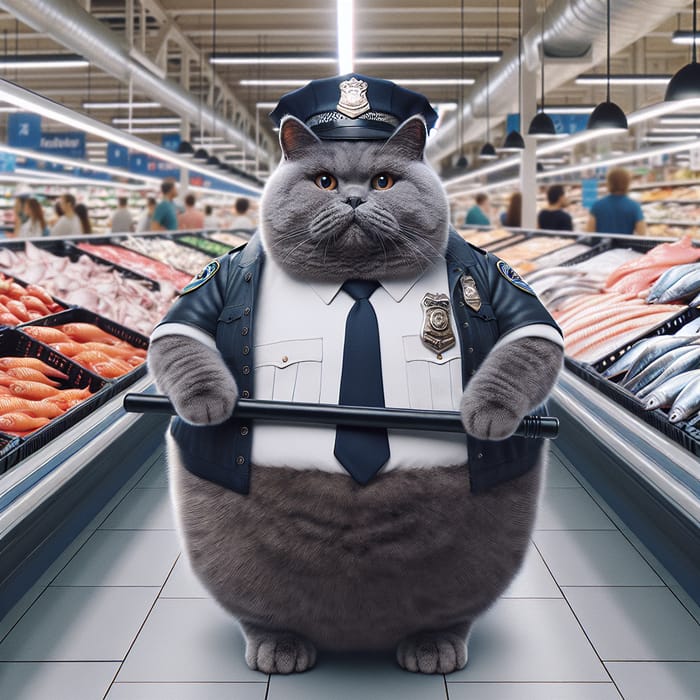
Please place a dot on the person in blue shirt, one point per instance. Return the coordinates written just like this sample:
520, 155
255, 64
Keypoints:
477, 215
165, 215
617, 213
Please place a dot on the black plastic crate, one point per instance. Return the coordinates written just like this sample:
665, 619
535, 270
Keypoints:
14, 343
685, 433
80, 315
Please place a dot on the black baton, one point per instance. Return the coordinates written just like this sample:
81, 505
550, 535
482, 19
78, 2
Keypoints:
357, 416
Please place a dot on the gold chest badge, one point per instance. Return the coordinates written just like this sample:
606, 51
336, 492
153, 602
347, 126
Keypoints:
470, 292
353, 98
437, 333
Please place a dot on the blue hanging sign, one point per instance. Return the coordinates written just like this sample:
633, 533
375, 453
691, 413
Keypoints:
70, 144
7, 162
563, 123
170, 141
24, 130
117, 156
589, 191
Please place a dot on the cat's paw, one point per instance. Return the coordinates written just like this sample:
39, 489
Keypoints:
488, 421
279, 653
211, 408
432, 652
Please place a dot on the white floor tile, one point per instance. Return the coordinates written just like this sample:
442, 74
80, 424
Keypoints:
532, 691
533, 580
142, 509
664, 680
182, 583
570, 509
188, 691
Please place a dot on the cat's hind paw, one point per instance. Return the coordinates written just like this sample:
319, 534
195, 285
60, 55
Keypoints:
284, 653
432, 652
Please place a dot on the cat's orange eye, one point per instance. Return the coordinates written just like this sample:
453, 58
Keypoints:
326, 182
382, 182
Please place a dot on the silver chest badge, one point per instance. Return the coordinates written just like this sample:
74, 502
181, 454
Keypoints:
437, 333
470, 292
353, 98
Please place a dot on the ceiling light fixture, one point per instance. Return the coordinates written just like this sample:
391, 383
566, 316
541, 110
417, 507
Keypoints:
571, 109
146, 120
542, 126
678, 119
120, 105
607, 115
462, 162
33, 102
622, 79
487, 152
43, 62
452, 57
685, 84
232, 59
514, 141
154, 130
436, 82
684, 38
345, 30
658, 138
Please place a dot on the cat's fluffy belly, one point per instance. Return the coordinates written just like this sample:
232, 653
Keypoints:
354, 567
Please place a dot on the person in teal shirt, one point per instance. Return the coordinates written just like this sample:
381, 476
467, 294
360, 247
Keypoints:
477, 215
617, 213
165, 215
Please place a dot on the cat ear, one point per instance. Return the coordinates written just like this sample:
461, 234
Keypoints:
296, 137
409, 138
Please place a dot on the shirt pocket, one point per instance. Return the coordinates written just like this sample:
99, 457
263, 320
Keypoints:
433, 384
289, 370
227, 330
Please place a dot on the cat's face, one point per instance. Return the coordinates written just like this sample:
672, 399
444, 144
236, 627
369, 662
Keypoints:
335, 210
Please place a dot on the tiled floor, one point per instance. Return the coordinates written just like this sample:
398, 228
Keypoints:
591, 616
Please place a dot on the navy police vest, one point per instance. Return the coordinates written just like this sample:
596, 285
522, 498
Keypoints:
221, 453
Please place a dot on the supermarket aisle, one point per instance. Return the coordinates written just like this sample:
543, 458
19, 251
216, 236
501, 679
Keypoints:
120, 616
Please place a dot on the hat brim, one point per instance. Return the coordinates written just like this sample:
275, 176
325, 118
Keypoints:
354, 130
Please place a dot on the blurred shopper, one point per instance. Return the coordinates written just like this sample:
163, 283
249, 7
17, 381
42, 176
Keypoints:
122, 221
144, 223
617, 213
210, 221
34, 223
81, 211
165, 215
512, 216
242, 220
68, 223
20, 213
553, 217
191, 219
478, 215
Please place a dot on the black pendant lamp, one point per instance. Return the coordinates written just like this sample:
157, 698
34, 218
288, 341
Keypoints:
542, 126
607, 115
685, 85
201, 154
514, 141
487, 152
462, 161
185, 148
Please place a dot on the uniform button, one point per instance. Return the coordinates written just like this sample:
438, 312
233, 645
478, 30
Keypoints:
461, 303
246, 349
285, 358
244, 330
479, 456
465, 324
240, 459
470, 349
439, 357
245, 394
248, 276
473, 372
246, 370
246, 311
244, 430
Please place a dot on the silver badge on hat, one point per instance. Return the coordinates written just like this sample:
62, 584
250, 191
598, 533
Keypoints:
470, 292
437, 333
353, 98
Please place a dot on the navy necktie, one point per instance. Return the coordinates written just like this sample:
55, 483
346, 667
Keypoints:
362, 451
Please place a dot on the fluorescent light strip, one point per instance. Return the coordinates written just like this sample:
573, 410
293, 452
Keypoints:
120, 105
266, 60
14, 94
431, 59
680, 120
400, 81
9, 109
688, 130
600, 79
146, 120
569, 109
557, 146
154, 130
6, 64
669, 139
684, 38
345, 36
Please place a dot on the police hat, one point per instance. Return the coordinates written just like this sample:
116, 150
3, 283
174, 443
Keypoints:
353, 106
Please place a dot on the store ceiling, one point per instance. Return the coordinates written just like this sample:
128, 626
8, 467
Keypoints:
271, 26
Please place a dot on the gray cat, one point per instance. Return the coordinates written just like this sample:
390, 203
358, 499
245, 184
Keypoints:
312, 560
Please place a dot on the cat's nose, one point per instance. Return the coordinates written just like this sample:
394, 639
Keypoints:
354, 202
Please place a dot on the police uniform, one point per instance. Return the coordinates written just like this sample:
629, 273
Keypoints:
282, 338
